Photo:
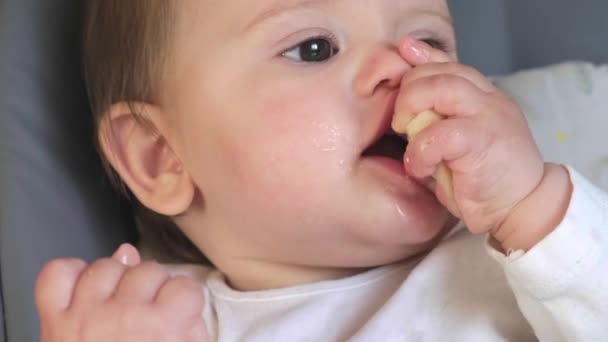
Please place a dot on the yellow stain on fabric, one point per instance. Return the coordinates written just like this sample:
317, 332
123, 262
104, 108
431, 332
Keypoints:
561, 136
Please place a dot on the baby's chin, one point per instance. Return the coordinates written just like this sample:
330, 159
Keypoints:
379, 250
400, 213
404, 209
417, 234
422, 230
420, 219
388, 232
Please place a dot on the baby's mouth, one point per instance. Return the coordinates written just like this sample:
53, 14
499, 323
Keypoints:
389, 145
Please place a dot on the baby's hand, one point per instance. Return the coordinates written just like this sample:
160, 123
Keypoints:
500, 183
117, 299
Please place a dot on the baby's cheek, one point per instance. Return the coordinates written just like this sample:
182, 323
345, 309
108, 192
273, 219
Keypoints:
291, 143
287, 164
295, 165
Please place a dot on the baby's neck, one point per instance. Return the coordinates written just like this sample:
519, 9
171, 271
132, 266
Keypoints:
257, 276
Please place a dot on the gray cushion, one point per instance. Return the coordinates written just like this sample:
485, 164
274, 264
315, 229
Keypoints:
2, 331
53, 198
501, 36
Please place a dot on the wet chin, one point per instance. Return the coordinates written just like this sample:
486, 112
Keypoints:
424, 218
406, 219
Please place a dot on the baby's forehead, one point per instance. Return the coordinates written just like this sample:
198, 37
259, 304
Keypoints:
276, 6
247, 12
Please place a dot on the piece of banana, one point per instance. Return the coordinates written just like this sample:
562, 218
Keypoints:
443, 175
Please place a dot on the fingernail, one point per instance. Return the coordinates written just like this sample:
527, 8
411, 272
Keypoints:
407, 161
124, 260
418, 49
421, 53
123, 257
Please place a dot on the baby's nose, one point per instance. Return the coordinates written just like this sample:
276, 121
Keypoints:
383, 68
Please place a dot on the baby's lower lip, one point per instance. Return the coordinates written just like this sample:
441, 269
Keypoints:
390, 164
396, 169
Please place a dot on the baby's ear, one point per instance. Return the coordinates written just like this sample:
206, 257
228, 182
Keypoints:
135, 145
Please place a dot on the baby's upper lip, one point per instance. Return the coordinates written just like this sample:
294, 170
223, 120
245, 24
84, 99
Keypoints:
382, 125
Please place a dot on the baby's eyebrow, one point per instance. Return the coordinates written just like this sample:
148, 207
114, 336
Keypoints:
281, 6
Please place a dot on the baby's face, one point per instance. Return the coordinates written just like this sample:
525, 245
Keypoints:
274, 105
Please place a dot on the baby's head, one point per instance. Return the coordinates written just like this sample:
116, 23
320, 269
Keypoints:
257, 127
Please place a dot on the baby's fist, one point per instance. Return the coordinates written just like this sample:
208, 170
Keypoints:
483, 140
118, 299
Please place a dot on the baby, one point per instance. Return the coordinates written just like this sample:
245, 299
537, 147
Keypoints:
262, 130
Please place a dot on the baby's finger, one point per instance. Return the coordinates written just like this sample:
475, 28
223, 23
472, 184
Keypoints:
446, 140
438, 148
456, 69
181, 294
140, 284
446, 94
430, 61
417, 52
127, 255
55, 285
98, 282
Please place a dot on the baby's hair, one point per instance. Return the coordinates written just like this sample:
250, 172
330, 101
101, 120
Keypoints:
126, 46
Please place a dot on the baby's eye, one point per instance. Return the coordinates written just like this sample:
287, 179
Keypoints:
436, 44
313, 50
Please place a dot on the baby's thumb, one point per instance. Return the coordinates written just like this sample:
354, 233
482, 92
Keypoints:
127, 255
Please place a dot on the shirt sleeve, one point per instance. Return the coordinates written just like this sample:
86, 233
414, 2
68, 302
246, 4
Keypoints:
561, 285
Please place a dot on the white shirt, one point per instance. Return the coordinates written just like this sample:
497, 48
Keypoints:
463, 290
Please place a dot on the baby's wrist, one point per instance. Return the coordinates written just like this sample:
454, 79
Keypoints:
539, 213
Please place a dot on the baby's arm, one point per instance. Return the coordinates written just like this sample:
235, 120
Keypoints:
551, 222
561, 284
118, 299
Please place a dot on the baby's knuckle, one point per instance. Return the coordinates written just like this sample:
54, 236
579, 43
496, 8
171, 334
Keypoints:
195, 330
59, 268
456, 136
416, 150
100, 271
184, 285
183, 290
56, 279
106, 263
151, 268
96, 276
440, 82
468, 70
136, 318
83, 328
454, 67
506, 103
149, 275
